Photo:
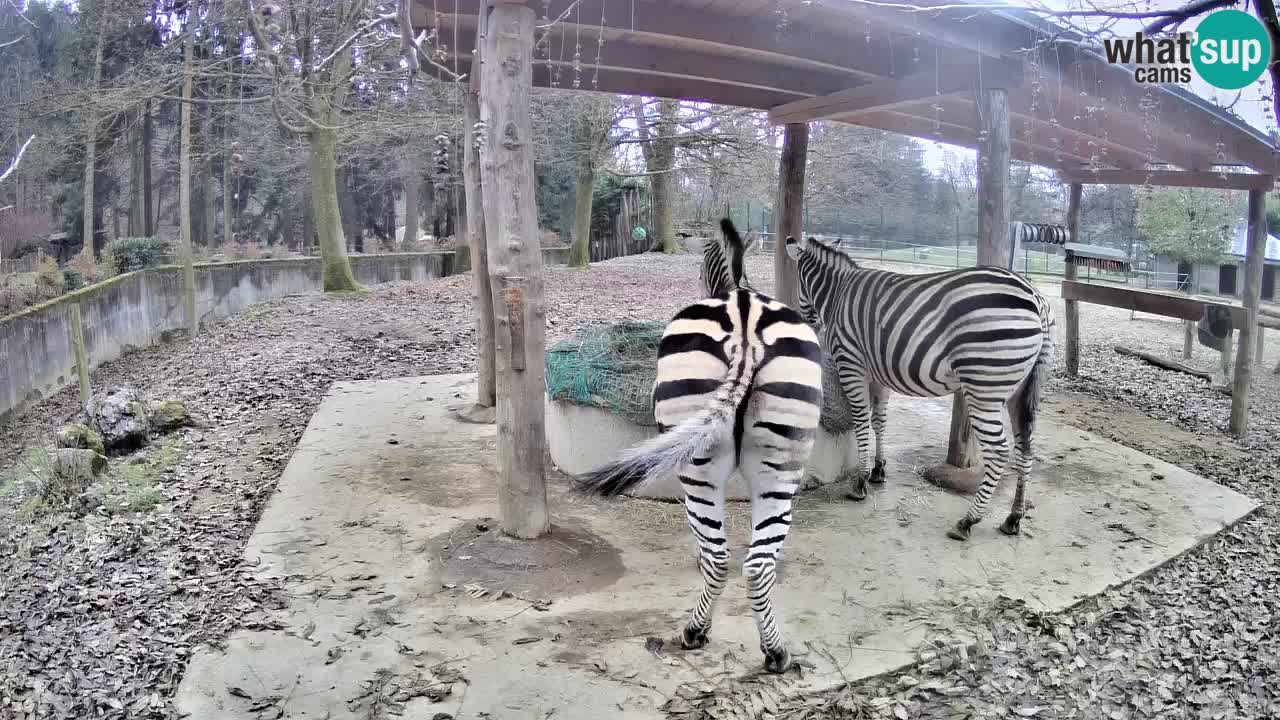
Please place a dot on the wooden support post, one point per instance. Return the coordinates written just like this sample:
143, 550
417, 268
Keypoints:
1188, 338
1224, 357
1070, 272
76, 333
515, 266
795, 150
994, 243
484, 411
1262, 337
1255, 256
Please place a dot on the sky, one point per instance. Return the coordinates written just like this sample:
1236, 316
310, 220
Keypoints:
1249, 107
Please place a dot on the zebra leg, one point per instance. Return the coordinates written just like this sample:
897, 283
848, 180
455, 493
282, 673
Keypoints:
857, 392
1022, 465
774, 475
986, 418
704, 481
879, 403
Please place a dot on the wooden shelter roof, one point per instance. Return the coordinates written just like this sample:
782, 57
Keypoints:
912, 73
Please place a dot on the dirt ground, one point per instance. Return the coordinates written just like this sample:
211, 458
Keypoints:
101, 613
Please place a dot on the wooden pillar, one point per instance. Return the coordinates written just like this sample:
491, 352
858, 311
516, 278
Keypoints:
482, 295
1255, 256
994, 243
515, 266
1070, 272
795, 149
1262, 337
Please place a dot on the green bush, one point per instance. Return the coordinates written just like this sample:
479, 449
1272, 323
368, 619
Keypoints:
129, 254
72, 279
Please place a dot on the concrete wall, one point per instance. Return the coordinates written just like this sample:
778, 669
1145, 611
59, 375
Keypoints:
136, 309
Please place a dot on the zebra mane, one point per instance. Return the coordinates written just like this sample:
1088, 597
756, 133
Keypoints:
830, 256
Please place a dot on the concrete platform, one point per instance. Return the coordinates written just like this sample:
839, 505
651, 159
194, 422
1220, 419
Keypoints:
405, 600
581, 438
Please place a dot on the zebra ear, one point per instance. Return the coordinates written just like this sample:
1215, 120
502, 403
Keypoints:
793, 248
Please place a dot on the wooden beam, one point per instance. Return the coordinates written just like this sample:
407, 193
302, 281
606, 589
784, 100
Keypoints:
949, 131
691, 29
791, 166
626, 82
1148, 301
1170, 178
893, 92
515, 268
481, 290
955, 28
1255, 258
641, 59
994, 243
1072, 319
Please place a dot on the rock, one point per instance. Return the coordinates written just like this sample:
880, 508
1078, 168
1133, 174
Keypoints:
82, 437
120, 417
77, 469
170, 415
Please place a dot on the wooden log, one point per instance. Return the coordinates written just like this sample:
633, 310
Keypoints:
994, 243
1255, 257
1166, 364
1070, 272
795, 149
486, 385
515, 267
76, 331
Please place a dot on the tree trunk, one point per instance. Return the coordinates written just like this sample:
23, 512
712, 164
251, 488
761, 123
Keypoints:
1072, 319
348, 209
1255, 258
515, 268
324, 208
412, 189
228, 193
308, 226
148, 138
137, 213
482, 294
91, 144
184, 193
580, 253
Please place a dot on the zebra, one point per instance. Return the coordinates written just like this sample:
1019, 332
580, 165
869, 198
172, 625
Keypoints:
715, 274
739, 386
983, 332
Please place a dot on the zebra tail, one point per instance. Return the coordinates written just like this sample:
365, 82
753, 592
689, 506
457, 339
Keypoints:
667, 452
736, 250
1033, 389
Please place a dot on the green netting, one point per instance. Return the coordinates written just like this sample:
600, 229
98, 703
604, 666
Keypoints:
610, 367
613, 367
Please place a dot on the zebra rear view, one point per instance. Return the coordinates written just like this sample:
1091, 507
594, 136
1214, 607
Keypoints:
985, 333
739, 386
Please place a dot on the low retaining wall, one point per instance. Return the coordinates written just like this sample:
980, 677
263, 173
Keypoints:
137, 308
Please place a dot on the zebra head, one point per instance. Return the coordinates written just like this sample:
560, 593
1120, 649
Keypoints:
722, 267
820, 266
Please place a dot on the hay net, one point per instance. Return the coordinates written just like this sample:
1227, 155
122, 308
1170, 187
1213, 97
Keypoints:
610, 367
613, 367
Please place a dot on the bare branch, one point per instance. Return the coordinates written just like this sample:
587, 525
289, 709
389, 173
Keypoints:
17, 159
1184, 13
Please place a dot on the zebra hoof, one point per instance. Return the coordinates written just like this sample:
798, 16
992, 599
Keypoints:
777, 661
877, 473
1012, 525
960, 531
693, 638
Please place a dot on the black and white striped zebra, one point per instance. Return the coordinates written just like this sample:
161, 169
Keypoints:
739, 385
715, 273
984, 332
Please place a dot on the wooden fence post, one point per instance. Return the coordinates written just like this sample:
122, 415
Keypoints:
791, 166
515, 267
993, 233
1070, 272
1251, 297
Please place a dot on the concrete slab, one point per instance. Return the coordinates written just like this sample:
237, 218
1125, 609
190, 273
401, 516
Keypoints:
405, 599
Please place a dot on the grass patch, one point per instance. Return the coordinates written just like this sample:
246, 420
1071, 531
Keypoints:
132, 485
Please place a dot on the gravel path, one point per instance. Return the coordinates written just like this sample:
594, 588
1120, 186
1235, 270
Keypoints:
98, 618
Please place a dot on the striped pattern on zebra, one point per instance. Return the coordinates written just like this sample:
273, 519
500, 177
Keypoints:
739, 385
715, 273
984, 332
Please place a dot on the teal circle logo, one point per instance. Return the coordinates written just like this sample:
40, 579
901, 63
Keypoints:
1232, 49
